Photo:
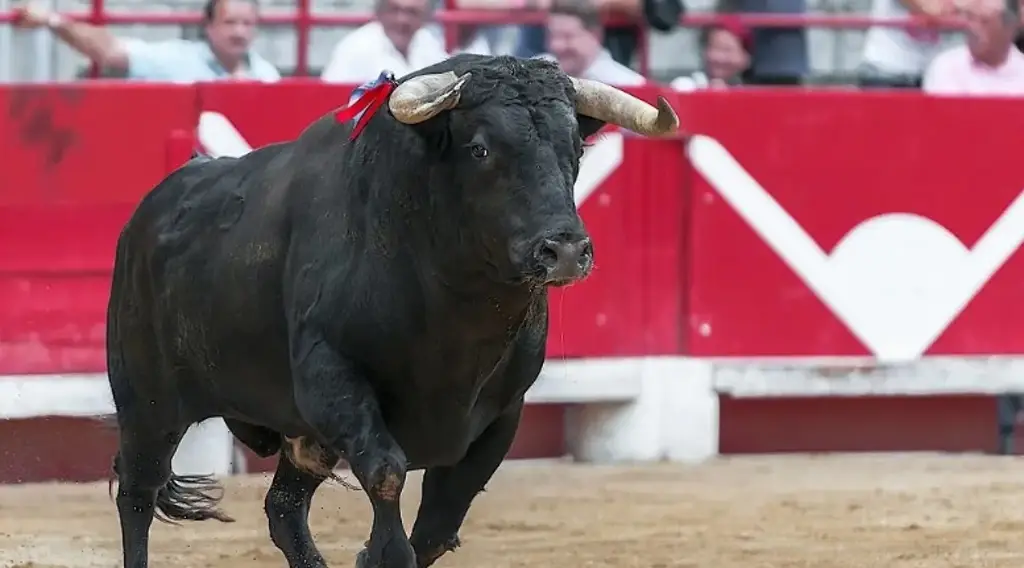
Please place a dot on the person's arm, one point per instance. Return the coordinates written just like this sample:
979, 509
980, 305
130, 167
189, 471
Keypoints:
930, 8
632, 8
94, 42
491, 4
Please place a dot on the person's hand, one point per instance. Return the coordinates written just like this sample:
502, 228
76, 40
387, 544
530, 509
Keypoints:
933, 11
938, 9
32, 15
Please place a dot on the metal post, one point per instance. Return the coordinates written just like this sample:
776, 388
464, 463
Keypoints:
96, 17
451, 31
302, 25
44, 48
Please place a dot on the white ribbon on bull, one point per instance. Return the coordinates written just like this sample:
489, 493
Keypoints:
423, 97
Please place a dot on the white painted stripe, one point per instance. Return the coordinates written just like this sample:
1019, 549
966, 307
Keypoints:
585, 381
863, 376
28, 396
579, 381
599, 161
622, 379
220, 137
896, 280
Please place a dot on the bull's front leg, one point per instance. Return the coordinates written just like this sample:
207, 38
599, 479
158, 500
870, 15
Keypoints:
449, 491
339, 403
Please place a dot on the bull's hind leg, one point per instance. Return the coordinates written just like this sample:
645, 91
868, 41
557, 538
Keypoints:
143, 467
287, 505
148, 488
449, 491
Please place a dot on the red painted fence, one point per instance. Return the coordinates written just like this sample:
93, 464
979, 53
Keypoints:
771, 240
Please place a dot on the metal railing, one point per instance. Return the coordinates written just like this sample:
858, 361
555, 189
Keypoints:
303, 19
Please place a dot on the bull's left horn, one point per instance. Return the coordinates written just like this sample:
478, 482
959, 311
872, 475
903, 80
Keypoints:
604, 102
424, 97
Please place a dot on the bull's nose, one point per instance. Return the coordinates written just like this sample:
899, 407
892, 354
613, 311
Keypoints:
565, 260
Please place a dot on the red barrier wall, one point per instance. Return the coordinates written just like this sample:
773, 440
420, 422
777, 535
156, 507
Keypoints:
680, 270
863, 170
76, 160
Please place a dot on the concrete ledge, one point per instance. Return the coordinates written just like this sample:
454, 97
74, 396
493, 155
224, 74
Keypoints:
586, 381
864, 376
675, 416
30, 396
619, 409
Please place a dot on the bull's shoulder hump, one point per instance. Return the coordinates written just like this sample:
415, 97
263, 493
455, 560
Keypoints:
203, 199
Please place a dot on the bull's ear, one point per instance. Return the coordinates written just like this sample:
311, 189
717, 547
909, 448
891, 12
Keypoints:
588, 125
435, 133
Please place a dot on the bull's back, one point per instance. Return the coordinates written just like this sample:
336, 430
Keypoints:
196, 263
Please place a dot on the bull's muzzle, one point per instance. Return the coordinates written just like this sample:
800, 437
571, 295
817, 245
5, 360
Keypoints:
564, 259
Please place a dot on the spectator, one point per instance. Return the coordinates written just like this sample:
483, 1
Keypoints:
621, 42
896, 57
1019, 42
397, 41
229, 27
727, 50
989, 64
779, 55
488, 40
574, 35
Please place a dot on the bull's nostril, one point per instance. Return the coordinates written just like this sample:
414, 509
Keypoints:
564, 260
588, 250
547, 255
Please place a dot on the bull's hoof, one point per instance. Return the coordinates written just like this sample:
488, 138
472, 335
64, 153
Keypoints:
431, 557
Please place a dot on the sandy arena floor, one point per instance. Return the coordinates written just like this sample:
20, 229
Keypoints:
895, 511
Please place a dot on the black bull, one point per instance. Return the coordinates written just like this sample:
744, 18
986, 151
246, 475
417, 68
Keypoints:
382, 300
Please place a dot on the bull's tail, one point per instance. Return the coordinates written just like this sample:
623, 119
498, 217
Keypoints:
184, 497
190, 498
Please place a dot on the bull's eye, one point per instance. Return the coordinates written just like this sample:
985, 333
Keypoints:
478, 151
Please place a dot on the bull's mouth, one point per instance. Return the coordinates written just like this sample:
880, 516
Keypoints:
563, 282
541, 278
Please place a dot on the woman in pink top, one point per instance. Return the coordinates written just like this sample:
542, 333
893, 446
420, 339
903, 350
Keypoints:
989, 63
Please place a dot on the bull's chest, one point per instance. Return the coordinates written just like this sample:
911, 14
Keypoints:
445, 407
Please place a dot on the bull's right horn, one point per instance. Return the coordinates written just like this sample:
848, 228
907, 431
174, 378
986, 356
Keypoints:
424, 97
604, 102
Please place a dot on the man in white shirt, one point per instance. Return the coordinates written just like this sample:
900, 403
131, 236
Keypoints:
225, 52
989, 64
574, 39
397, 41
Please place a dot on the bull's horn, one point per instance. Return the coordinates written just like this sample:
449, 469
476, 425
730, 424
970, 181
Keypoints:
604, 102
424, 97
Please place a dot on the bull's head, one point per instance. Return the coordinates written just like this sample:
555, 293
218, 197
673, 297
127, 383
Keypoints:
514, 156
